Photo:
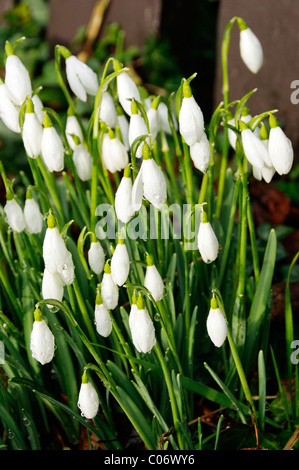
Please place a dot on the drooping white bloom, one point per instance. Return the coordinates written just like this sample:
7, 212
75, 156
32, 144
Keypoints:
102, 318
126, 89
42, 341
153, 280
52, 286
120, 263
154, 184
123, 124
88, 399
96, 257
251, 50
32, 215
133, 311
163, 118
142, 328
216, 325
32, 131
52, 149
207, 241
82, 79
17, 79
56, 256
114, 155
153, 119
191, 121
38, 108
72, 127
254, 149
108, 110
137, 128
137, 191
83, 162
232, 136
280, 149
109, 289
9, 111
200, 154
267, 172
14, 215
123, 198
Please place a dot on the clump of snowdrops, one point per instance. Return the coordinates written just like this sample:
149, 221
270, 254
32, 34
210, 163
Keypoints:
131, 265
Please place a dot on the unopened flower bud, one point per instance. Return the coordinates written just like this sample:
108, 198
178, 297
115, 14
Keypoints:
51, 147
216, 324
280, 148
42, 341
250, 48
109, 289
96, 256
88, 399
207, 241
14, 215
142, 328
153, 280
32, 214
17, 78
123, 198
120, 263
191, 121
103, 320
126, 89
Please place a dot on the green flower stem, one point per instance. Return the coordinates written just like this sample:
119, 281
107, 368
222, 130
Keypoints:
189, 175
124, 345
84, 310
203, 188
60, 80
94, 185
51, 185
172, 398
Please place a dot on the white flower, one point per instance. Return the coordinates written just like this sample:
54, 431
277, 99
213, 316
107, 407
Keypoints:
81, 78
137, 128
96, 257
52, 286
123, 198
72, 127
9, 111
32, 131
163, 118
108, 110
207, 241
153, 119
142, 328
200, 153
216, 325
52, 149
88, 399
14, 215
109, 289
254, 149
126, 89
32, 214
120, 263
38, 108
191, 121
123, 124
115, 157
17, 79
102, 318
153, 280
56, 256
42, 341
251, 50
154, 184
232, 136
83, 162
280, 149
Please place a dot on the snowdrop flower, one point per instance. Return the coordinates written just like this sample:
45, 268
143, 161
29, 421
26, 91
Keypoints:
152, 280
280, 148
207, 241
115, 157
96, 256
88, 399
38, 107
137, 191
109, 289
251, 50
102, 318
32, 131
254, 149
142, 328
51, 147
126, 89
267, 172
42, 341
154, 184
108, 111
17, 77
153, 119
245, 117
52, 286
137, 128
200, 154
9, 111
123, 198
72, 128
83, 161
81, 78
14, 215
191, 121
56, 256
163, 118
123, 125
216, 324
32, 214
120, 263
133, 311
